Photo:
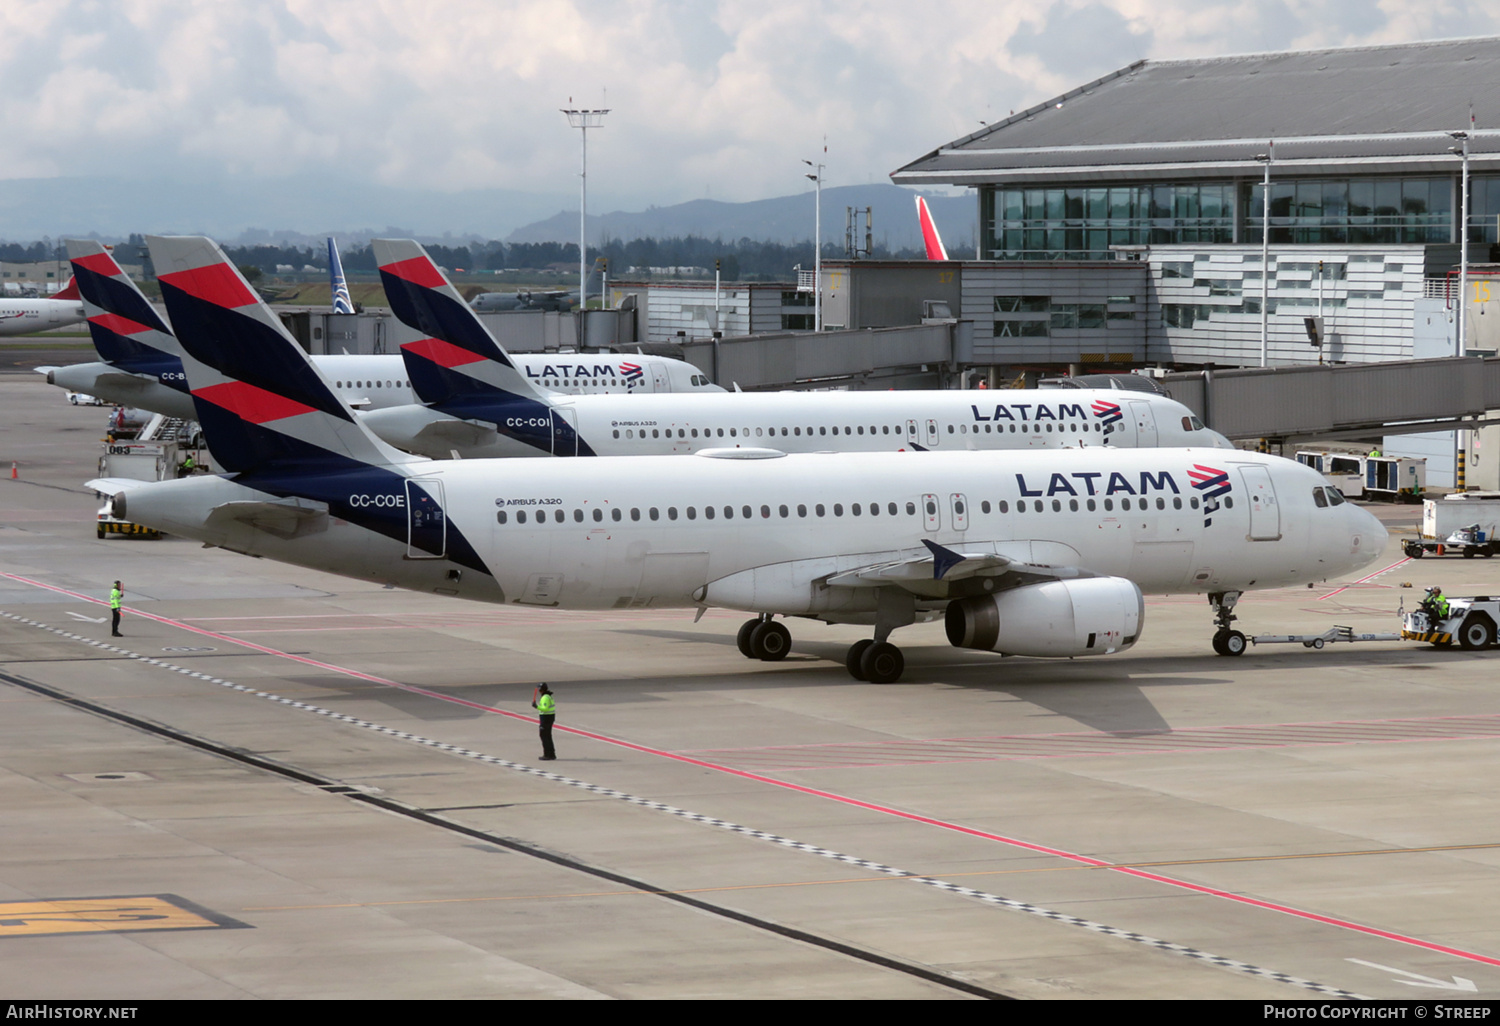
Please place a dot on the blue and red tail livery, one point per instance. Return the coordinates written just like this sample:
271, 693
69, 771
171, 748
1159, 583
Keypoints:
273, 421
250, 380
125, 328
459, 368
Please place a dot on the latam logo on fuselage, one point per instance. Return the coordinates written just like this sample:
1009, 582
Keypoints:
1101, 482
1035, 413
630, 372
1213, 484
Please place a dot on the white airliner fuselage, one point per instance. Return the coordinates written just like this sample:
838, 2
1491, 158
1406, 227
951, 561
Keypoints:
377, 382
814, 422
774, 534
26, 316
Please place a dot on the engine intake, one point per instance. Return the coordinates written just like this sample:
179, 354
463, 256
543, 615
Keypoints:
1091, 616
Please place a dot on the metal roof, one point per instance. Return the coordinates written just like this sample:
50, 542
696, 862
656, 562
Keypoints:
1378, 108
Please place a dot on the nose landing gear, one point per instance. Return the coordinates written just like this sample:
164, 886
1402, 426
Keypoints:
1227, 640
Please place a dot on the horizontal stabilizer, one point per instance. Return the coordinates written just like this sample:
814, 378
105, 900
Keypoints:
291, 518
111, 485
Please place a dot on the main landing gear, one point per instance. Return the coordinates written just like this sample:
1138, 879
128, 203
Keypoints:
1227, 640
764, 639
878, 662
873, 659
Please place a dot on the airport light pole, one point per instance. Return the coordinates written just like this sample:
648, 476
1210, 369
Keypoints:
817, 246
1460, 342
1462, 150
584, 120
1265, 252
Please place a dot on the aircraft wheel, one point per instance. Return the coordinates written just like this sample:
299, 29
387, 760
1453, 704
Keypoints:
882, 663
770, 641
1477, 632
1229, 643
856, 654
742, 639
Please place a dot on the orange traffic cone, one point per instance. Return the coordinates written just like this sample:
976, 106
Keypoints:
13, 472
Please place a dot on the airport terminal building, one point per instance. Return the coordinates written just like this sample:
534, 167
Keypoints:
1122, 222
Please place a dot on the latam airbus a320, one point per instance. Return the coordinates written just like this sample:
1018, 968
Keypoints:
141, 360
1042, 553
478, 404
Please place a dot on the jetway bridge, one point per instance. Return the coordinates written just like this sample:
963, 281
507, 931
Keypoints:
927, 355
1293, 404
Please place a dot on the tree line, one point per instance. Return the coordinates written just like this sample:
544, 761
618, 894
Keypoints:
745, 259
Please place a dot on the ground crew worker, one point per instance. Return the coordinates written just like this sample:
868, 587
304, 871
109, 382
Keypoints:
1440, 602
546, 705
115, 595
187, 466
1437, 605
1374, 452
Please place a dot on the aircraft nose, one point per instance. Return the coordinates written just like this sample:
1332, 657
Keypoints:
1368, 536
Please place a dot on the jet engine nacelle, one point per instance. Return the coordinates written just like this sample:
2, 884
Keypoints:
1090, 616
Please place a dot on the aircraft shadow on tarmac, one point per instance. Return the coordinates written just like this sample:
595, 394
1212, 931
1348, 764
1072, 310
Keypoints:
1106, 695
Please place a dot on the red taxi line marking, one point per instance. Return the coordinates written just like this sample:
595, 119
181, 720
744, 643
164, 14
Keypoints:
1368, 577
857, 803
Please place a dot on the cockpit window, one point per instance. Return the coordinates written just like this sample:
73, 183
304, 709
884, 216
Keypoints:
1324, 497
1191, 423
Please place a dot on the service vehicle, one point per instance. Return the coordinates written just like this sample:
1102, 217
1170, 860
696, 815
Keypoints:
1470, 622
138, 461
1464, 523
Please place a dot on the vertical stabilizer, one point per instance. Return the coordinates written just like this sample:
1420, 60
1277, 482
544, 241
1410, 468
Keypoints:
342, 302
459, 368
125, 327
930, 237
262, 404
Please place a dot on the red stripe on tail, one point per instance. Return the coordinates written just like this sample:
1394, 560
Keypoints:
99, 263
250, 403
444, 354
218, 284
117, 324
418, 270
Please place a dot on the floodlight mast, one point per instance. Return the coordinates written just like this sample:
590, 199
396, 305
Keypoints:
817, 245
584, 120
1462, 150
1265, 252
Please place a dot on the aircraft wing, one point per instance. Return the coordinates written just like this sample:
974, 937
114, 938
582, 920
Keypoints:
946, 573
291, 518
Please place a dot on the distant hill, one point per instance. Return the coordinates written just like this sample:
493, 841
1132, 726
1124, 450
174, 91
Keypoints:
784, 219
259, 210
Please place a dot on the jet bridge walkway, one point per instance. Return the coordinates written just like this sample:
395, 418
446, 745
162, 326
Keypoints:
1292, 404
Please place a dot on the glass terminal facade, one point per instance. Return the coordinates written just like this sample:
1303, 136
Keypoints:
1083, 222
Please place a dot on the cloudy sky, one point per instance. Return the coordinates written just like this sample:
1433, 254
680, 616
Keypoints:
386, 98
